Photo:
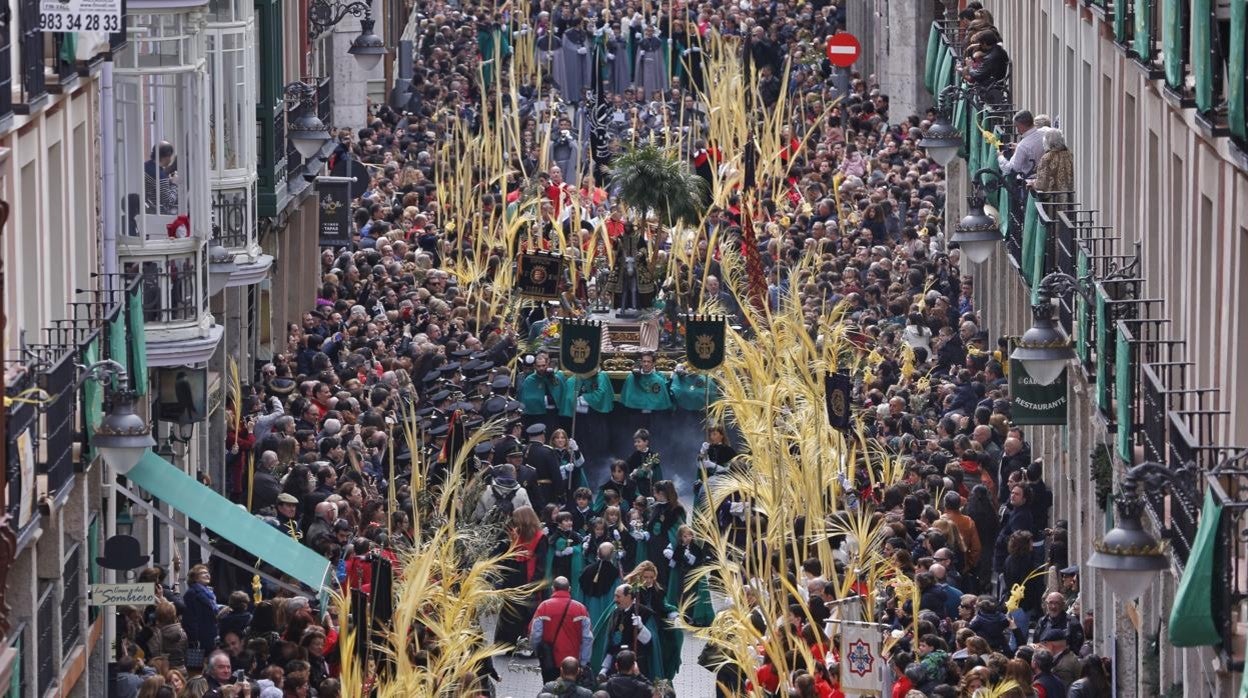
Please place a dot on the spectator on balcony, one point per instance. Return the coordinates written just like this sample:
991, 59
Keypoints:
1026, 153
1056, 170
989, 62
160, 179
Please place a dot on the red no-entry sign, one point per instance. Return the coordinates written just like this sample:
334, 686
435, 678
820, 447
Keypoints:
843, 49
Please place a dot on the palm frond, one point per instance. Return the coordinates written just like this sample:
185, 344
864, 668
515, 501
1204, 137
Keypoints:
652, 179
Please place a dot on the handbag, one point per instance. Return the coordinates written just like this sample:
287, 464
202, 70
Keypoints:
194, 656
546, 650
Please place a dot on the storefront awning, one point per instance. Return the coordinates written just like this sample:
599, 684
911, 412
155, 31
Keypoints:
226, 519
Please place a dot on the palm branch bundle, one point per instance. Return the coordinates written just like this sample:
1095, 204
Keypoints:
654, 179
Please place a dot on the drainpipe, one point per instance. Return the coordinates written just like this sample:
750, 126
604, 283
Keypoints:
108, 156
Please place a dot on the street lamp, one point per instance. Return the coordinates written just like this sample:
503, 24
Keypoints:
123, 436
307, 132
1130, 556
368, 48
942, 140
1045, 349
977, 234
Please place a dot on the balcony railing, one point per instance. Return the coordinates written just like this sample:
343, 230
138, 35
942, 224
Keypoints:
169, 289
59, 420
71, 600
47, 616
1228, 483
229, 218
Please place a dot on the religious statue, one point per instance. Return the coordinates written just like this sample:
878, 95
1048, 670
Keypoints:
631, 283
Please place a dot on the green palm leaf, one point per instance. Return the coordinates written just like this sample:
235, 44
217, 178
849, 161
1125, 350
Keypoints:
650, 179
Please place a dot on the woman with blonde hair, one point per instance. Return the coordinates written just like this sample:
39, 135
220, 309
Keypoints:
151, 686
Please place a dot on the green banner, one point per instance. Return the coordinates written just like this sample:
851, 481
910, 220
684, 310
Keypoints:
704, 342
1202, 52
580, 346
1081, 310
1238, 66
1124, 371
1121, 27
118, 344
1032, 403
1142, 40
1172, 42
92, 391
1030, 217
1191, 617
1102, 353
138, 342
932, 64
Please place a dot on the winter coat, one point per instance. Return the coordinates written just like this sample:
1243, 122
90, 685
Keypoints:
200, 619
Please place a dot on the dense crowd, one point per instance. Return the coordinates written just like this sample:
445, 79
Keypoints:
393, 333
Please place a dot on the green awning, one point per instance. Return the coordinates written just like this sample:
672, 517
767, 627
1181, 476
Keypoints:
138, 342
1191, 617
227, 520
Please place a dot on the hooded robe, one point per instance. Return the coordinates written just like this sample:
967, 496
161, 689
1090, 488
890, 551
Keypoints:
650, 69
573, 67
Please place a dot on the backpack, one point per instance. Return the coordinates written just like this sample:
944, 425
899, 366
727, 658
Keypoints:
504, 507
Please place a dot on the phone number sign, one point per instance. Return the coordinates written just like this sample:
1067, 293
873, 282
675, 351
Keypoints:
80, 15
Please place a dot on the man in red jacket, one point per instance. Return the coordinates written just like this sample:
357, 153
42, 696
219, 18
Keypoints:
563, 623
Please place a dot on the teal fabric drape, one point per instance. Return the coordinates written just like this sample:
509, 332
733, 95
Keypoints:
1142, 39
1123, 373
974, 149
118, 344
203, 504
1191, 618
1029, 225
1102, 353
138, 344
1122, 29
1202, 52
1040, 243
960, 121
1081, 310
92, 391
1238, 66
1172, 42
934, 44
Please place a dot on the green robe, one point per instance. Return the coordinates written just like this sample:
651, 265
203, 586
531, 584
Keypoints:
646, 392
690, 391
607, 637
699, 613
494, 45
597, 392
558, 541
534, 390
671, 638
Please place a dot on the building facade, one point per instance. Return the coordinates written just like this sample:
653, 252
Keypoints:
1150, 97
158, 217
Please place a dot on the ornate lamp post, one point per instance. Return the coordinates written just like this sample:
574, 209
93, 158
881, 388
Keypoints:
977, 233
1130, 556
368, 48
123, 436
1045, 349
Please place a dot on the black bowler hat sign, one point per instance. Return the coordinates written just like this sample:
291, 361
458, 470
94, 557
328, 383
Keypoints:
121, 553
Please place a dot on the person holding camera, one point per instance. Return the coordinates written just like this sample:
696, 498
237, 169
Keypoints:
645, 388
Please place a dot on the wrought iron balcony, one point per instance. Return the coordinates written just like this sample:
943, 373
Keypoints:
33, 88
229, 216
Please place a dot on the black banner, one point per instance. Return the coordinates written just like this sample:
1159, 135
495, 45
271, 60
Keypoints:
1032, 403
837, 394
334, 196
704, 341
538, 275
580, 346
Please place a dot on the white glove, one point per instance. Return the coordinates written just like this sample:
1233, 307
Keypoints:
585, 546
643, 633
639, 535
582, 407
636, 621
667, 553
610, 56
567, 551
673, 615
685, 52
615, 534
582, 50
706, 446
619, 554
690, 558
566, 469
572, 442
641, 54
